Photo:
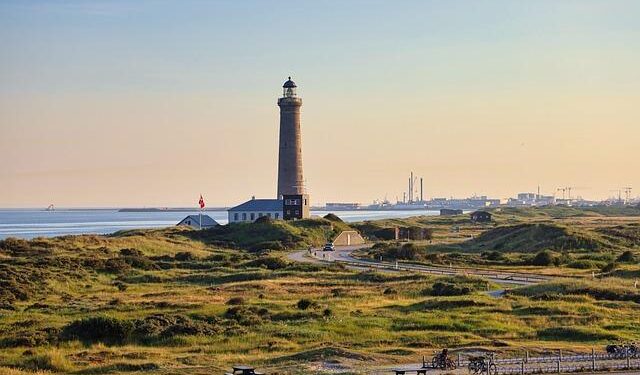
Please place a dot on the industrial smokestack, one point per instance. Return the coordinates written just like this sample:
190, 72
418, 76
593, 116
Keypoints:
411, 188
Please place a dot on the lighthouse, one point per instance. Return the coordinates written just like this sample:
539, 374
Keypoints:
291, 187
292, 201
290, 177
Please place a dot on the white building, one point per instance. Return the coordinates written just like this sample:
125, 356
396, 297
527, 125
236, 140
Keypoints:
193, 221
253, 209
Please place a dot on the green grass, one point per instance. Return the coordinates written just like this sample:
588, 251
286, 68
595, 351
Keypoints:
168, 296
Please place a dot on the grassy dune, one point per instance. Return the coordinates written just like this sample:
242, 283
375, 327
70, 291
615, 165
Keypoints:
189, 302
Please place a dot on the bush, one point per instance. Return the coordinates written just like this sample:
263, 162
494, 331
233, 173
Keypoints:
120, 285
246, 316
269, 262
263, 220
98, 329
609, 267
333, 217
236, 301
390, 291
184, 256
627, 257
116, 265
327, 313
131, 252
304, 304
448, 289
53, 360
163, 326
267, 245
543, 258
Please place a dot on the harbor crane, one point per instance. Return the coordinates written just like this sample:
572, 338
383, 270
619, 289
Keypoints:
566, 191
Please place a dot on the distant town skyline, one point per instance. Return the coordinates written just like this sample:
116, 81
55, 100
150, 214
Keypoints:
152, 103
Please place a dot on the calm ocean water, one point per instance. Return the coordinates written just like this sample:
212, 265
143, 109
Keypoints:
30, 223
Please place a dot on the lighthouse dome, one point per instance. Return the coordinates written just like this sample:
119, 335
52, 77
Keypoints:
289, 83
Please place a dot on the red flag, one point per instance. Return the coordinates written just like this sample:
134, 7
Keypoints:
201, 202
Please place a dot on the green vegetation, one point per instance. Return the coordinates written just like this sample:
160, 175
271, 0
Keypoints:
184, 302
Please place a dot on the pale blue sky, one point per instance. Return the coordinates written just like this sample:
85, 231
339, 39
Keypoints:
547, 85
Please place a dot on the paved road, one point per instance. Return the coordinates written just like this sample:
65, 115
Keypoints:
343, 255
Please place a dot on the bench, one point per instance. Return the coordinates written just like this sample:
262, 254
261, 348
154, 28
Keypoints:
418, 371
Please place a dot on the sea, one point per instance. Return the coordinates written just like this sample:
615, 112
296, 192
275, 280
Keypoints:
31, 223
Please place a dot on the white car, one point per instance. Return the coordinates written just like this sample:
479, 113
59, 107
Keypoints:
328, 247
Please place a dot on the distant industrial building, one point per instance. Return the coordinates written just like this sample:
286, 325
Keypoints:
292, 201
342, 206
531, 199
194, 221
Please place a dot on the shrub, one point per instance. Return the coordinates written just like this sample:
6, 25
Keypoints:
493, 255
116, 265
184, 256
236, 301
627, 257
131, 252
304, 304
246, 316
448, 289
267, 245
269, 262
609, 267
327, 313
390, 291
161, 325
98, 329
543, 258
263, 220
120, 285
52, 360
582, 264
333, 217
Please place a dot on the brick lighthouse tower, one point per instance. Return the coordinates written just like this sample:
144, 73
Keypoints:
290, 178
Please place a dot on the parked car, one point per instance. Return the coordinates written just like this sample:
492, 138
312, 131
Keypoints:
328, 247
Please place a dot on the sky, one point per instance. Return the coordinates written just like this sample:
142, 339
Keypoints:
152, 103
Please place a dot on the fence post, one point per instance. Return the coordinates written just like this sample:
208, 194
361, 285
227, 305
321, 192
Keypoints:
522, 368
458, 359
628, 359
593, 359
424, 364
560, 355
526, 356
558, 366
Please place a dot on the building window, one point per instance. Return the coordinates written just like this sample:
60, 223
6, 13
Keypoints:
288, 212
277, 215
244, 216
253, 216
305, 201
297, 212
235, 217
